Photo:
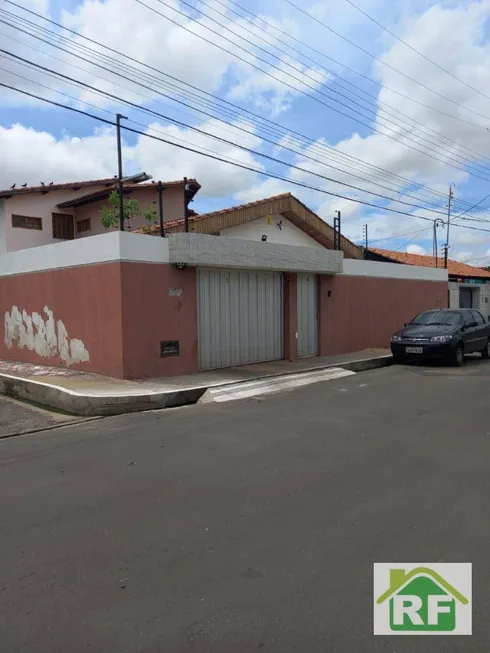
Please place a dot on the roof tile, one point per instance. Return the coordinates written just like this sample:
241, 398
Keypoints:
454, 268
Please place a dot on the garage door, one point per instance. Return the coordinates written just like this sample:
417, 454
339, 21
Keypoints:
307, 315
240, 317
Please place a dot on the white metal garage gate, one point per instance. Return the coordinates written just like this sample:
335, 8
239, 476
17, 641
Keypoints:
240, 317
307, 315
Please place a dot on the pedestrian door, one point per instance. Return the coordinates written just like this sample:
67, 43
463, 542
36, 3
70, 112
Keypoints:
307, 315
240, 317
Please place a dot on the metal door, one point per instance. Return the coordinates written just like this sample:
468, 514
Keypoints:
240, 317
307, 315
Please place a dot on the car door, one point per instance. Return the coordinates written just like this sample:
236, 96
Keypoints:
470, 333
481, 329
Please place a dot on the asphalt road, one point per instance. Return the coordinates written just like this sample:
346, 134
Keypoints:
248, 526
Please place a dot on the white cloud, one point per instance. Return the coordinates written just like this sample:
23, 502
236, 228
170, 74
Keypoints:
415, 249
34, 156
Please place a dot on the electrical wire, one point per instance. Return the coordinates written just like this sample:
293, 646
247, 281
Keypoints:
302, 154
384, 63
302, 138
291, 37
256, 153
215, 156
446, 161
421, 54
377, 103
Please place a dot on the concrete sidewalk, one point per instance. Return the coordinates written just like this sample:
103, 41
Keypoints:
83, 393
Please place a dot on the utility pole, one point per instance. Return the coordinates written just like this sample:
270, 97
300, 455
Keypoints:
437, 222
336, 230
450, 200
160, 208
186, 209
120, 171
365, 236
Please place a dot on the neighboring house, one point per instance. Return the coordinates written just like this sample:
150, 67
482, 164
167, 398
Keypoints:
40, 215
281, 219
468, 287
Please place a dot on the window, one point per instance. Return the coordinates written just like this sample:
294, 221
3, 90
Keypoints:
63, 226
468, 318
26, 222
451, 318
83, 225
478, 317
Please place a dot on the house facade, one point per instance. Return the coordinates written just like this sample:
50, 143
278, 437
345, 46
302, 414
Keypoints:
41, 215
468, 286
249, 284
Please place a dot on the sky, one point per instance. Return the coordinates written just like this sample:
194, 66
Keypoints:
374, 108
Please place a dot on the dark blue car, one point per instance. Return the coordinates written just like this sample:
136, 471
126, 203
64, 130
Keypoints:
447, 334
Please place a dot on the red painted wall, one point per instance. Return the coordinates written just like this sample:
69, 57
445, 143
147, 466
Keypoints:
364, 312
88, 301
150, 314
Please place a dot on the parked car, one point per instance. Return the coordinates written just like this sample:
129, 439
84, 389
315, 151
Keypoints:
447, 334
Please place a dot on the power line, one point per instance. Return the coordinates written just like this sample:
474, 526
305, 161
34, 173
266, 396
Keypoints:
215, 156
219, 138
421, 54
287, 84
26, 62
301, 137
437, 135
291, 37
384, 63
407, 242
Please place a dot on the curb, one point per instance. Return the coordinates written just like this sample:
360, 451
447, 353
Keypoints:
75, 403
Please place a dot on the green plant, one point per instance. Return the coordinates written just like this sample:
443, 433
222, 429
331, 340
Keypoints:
109, 213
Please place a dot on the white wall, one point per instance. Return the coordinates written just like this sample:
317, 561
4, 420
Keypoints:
37, 205
453, 294
353, 267
289, 234
147, 196
106, 248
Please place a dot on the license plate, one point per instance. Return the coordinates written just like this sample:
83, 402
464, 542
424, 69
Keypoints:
414, 350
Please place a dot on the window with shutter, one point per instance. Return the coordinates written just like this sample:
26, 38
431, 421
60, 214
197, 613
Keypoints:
27, 222
63, 226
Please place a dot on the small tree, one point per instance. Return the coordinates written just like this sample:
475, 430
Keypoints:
109, 213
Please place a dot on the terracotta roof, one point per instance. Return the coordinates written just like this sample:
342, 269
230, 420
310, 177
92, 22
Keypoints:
454, 268
69, 185
285, 204
200, 216
101, 194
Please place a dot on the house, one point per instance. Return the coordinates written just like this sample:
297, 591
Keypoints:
421, 600
281, 219
40, 215
468, 286
249, 284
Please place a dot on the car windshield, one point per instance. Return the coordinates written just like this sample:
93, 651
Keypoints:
450, 318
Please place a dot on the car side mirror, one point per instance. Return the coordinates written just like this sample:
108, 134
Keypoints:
463, 327
473, 324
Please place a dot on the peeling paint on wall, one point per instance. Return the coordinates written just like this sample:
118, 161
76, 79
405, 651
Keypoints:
43, 335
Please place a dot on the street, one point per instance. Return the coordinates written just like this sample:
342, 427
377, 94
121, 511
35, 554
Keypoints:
247, 526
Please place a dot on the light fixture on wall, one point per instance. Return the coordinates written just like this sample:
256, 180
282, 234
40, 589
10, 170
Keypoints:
264, 238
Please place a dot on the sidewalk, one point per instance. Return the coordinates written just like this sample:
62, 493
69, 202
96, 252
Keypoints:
83, 393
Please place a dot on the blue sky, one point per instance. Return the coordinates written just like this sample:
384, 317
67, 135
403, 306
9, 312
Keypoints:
423, 129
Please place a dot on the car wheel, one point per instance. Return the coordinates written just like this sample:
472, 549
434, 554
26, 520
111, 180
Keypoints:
458, 355
484, 352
